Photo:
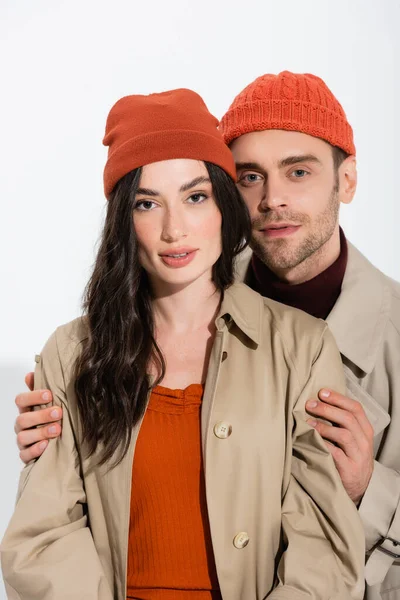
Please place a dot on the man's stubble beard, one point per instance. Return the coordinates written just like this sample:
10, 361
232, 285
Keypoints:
279, 254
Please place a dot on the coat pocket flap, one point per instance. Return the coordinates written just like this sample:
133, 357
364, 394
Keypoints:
377, 416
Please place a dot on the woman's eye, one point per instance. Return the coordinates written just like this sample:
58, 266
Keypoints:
197, 198
144, 205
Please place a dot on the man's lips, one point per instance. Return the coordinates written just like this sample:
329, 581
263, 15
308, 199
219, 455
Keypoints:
275, 230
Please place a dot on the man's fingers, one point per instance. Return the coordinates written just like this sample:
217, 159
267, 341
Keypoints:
27, 437
344, 418
338, 456
339, 436
350, 443
30, 380
29, 399
348, 404
30, 419
33, 452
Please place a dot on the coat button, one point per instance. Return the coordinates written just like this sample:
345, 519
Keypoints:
37, 358
241, 540
222, 429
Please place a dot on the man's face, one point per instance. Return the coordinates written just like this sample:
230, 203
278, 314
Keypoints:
292, 191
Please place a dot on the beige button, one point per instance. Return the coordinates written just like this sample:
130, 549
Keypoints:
222, 429
37, 358
241, 540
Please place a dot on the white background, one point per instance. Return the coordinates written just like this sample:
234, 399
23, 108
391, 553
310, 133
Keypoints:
64, 63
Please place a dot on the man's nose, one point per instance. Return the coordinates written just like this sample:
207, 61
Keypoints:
274, 196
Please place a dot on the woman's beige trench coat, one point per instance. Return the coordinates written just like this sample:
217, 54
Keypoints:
282, 525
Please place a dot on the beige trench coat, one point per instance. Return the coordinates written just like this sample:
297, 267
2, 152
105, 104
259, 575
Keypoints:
366, 325
280, 518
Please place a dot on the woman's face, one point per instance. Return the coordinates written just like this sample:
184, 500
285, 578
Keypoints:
177, 222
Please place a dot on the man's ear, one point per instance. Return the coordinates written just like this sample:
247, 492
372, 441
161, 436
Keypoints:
347, 179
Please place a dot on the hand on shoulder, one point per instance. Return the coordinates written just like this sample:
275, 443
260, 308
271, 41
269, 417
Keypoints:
35, 426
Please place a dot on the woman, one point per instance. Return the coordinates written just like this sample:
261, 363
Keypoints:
186, 468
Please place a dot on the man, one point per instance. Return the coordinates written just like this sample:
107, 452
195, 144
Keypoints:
295, 158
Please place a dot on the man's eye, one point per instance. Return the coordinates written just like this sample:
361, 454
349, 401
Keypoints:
144, 205
299, 173
250, 178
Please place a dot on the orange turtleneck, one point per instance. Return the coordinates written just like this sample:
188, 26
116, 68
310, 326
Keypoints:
170, 555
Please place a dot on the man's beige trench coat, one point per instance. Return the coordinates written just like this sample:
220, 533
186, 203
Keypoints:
266, 472
366, 325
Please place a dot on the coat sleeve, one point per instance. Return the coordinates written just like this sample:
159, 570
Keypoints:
48, 551
324, 547
380, 514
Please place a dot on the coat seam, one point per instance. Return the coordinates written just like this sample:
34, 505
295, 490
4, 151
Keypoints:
397, 330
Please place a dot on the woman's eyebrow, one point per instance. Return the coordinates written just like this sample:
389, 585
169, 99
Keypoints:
184, 188
147, 192
197, 181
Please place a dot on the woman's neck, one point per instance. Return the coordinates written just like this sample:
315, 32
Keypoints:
182, 309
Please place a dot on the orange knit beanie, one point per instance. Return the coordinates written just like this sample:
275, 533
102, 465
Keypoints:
174, 124
291, 101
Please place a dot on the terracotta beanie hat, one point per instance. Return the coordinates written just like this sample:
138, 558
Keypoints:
290, 101
176, 124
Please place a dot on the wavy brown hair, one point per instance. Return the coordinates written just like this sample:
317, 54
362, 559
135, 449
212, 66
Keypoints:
112, 382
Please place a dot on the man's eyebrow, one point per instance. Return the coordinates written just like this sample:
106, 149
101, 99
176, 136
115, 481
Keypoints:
147, 192
251, 166
191, 184
294, 160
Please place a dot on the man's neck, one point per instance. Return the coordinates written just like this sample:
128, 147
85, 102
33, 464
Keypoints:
315, 264
316, 296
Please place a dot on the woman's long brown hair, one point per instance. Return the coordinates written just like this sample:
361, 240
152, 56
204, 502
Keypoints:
112, 381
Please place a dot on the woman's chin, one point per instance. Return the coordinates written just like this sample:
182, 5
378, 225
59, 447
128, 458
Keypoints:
179, 278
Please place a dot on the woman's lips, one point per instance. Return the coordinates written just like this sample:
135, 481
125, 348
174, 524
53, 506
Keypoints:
281, 231
179, 258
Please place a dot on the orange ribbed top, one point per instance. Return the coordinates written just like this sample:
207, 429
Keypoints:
170, 555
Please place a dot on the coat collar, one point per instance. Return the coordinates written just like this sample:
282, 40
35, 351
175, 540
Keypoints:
245, 308
359, 316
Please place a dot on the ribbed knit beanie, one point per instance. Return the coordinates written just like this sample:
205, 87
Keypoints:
145, 129
290, 101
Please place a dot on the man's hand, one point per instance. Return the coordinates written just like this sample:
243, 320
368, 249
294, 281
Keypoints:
350, 441
33, 440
